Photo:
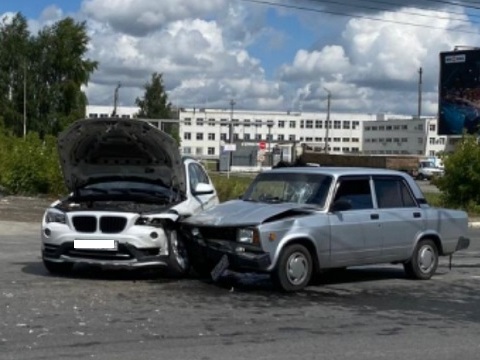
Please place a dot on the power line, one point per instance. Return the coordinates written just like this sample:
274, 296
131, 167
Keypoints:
390, 11
308, 9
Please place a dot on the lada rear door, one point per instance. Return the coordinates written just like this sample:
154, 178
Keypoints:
401, 218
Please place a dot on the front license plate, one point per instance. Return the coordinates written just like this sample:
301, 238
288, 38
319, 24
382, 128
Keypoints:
221, 266
95, 244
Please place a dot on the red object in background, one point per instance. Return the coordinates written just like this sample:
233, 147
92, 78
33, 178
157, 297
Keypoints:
262, 145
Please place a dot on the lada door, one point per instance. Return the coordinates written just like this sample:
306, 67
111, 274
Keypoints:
400, 216
355, 237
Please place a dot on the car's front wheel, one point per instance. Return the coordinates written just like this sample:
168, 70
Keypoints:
424, 261
57, 268
294, 269
179, 264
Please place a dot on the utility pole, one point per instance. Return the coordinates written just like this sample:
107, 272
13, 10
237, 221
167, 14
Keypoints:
24, 99
327, 123
115, 100
230, 128
420, 73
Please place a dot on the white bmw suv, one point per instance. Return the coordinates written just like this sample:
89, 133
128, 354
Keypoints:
129, 187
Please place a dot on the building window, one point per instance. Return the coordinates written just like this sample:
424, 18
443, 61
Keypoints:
367, 140
355, 149
432, 127
318, 139
292, 125
235, 137
223, 136
346, 139
420, 140
199, 136
309, 139
93, 115
329, 124
302, 124
336, 140
199, 151
345, 149
309, 124
355, 140
397, 140
420, 127
281, 124
246, 122
258, 136
211, 136
235, 122
187, 121
346, 124
187, 136
404, 127
381, 128
441, 141
187, 150
291, 137
211, 122
367, 128
336, 149
258, 123
211, 151
104, 115
270, 123
404, 140
246, 137
199, 121
432, 152
318, 124
432, 141
388, 127
355, 124
281, 137
396, 127
337, 124
374, 128
223, 122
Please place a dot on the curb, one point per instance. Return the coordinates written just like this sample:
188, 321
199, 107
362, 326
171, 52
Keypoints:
474, 224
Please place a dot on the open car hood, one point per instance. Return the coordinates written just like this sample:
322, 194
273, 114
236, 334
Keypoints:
114, 148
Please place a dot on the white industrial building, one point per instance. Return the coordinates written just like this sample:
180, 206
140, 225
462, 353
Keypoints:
204, 132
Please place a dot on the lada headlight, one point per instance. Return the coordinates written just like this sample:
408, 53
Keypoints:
248, 236
55, 216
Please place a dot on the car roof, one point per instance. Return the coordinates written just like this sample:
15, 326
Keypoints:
338, 171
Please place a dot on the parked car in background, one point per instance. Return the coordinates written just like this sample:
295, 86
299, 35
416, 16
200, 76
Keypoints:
427, 169
129, 188
296, 222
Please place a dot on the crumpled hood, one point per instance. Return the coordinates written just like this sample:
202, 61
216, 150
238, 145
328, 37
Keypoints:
239, 212
95, 149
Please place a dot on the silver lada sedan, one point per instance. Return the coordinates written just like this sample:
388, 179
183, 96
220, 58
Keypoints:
295, 222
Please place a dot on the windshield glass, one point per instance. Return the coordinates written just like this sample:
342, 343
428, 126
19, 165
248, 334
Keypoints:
294, 187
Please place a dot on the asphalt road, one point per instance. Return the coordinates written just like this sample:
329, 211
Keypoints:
364, 313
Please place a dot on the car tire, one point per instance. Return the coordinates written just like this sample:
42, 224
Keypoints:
424, 261
178, 259
420, 177
294, 268
57, 268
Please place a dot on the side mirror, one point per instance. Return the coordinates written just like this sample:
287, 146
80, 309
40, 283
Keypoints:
203, 189
341, 205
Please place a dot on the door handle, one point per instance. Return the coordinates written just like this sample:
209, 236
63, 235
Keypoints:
417, 215
374, 216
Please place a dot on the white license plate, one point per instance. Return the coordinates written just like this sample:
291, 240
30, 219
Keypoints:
95, 244
221, 266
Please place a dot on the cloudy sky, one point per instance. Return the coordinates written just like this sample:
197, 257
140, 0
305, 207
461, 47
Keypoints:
268, 55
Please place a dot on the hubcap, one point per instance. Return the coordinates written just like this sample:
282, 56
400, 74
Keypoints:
178, 251
426, 258
297, 268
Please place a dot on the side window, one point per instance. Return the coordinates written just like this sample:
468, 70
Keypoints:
197, 175
356, 192
393, 193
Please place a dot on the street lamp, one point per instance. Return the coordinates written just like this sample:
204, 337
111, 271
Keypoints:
327, 125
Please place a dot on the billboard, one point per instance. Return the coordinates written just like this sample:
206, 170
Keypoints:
459, 92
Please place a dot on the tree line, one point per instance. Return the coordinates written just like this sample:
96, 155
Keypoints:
42, 74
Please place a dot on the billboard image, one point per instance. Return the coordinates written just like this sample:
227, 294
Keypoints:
459, 92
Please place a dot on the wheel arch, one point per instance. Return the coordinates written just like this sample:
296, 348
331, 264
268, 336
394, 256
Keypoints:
307, 243
431, 236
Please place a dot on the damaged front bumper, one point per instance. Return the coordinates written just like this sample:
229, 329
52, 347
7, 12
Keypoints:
126, 256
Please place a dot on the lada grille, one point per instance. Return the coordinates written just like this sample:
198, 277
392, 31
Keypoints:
219, 233
108, 224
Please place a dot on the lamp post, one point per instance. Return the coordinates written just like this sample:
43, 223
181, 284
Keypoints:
230, 136
327, 125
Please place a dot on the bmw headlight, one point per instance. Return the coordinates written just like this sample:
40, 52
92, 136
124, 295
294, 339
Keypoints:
247, 236
55, 216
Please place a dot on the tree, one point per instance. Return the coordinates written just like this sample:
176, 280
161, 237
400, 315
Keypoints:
461, 181
50, 67
155, 104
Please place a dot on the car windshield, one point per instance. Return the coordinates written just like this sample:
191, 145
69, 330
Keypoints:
293, 187
129, 188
